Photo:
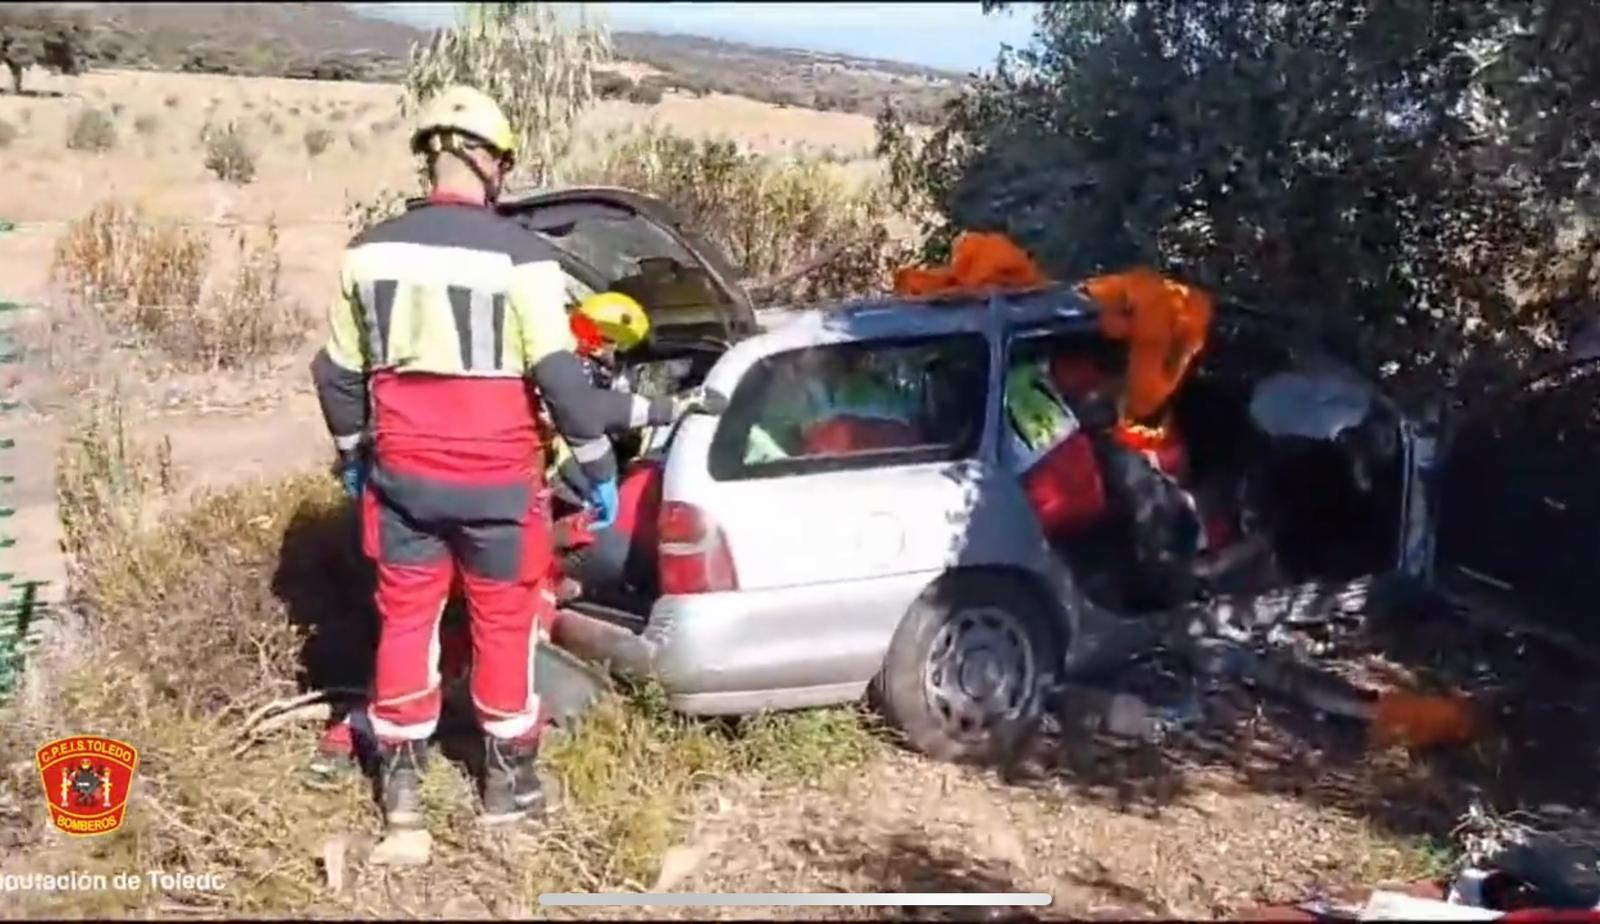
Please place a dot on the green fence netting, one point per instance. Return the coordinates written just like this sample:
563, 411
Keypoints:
20, 609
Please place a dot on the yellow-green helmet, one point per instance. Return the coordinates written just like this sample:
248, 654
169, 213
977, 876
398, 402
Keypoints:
465, 110
616, 317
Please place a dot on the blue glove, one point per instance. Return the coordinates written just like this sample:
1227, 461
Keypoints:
354, 476
604, 502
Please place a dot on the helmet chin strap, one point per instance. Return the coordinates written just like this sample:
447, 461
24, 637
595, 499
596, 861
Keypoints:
491, 186
453, 146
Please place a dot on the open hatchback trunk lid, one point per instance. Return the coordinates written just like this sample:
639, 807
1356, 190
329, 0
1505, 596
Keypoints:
623, 241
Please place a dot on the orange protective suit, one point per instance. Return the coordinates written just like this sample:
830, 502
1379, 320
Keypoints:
1165, 325
978, 261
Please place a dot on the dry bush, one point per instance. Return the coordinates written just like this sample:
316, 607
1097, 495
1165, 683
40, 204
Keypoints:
154, 287
793, 226
317, 141
105, 483
357, 141
172, 101
8, 133
361, 214
612, 85
128, 269
229, 155
644, 93
195, 620
91, 130
243, 317
146, 124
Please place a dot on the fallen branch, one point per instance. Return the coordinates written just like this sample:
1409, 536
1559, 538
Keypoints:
793, 275
305, 712
295, 702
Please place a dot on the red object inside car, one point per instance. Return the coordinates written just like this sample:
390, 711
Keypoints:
1065, 487
850, 433
1075, 375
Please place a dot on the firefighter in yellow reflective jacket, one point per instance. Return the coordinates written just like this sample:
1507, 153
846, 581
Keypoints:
444, 316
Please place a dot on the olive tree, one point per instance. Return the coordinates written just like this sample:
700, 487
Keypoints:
45, 38
1318, 158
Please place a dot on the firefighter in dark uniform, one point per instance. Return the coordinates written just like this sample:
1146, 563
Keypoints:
449, 325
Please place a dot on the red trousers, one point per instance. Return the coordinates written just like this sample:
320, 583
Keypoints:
503, 566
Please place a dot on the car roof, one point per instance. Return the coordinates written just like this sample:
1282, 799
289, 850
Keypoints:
892, 317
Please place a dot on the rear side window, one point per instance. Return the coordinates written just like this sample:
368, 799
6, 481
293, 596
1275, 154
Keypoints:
855, 406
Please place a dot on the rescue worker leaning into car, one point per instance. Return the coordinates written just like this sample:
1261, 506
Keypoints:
444, 317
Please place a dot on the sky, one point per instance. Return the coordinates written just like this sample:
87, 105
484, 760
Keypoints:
955, 36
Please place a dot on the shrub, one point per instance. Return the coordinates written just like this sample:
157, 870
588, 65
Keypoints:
228, 155
645, 93
92, 130
612, 85
127, 268
358, 144
155, 287
361, 214
172, 101
317, 140
146, 124
793, 226
243, 316
8, 133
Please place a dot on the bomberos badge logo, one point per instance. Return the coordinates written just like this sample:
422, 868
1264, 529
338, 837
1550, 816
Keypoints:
87, 780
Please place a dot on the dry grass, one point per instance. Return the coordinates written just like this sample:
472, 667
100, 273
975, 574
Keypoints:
194, 618
154, 286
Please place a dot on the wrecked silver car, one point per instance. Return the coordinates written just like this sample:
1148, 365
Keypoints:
919, 548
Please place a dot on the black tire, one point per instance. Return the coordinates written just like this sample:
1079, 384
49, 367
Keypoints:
923, 690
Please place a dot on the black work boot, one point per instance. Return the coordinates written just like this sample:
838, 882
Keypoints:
400, 769
511, 789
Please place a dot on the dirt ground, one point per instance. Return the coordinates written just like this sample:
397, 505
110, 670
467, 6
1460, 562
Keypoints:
1140, 837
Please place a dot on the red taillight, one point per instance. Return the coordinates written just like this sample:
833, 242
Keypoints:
1065, 488
694, 556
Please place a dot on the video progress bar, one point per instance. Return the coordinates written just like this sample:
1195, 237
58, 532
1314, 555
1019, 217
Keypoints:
784, 899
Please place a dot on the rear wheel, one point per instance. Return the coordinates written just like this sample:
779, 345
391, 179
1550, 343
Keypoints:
963, 676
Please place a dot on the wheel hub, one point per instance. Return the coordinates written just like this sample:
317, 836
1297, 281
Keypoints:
980, 671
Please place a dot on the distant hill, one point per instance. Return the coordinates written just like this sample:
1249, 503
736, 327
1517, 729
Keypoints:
816, 80
333, 41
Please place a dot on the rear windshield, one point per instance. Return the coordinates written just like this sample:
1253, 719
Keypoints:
855, 406
636, 257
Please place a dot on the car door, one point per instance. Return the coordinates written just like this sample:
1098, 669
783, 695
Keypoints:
1519, 504
848, 461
